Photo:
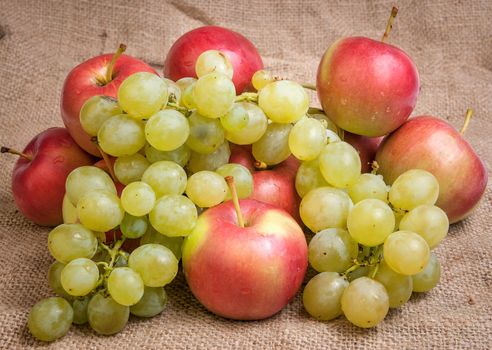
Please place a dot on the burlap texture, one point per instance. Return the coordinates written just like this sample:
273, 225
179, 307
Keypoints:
451, 43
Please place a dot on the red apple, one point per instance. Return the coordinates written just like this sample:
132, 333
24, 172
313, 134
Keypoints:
432, 144
87, 80
38, 179
365, 146
245, 273
245, 59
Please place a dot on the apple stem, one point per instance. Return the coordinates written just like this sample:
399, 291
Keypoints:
117, 54
309, 86
17, 153
394, 11
469, 115
235, 200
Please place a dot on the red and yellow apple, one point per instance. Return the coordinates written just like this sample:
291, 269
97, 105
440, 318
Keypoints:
365, 146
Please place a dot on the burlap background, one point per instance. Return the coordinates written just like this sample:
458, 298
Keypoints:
451, 43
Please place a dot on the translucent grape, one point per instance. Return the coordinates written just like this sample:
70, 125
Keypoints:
429, 277
242, 179
69, 211
283, 101
154, 300
121, 135
100, 210
95, 111
165, 177
327, 122
54, 276
332, 136
322, 295
79, 306
180, 155
413, 188
79, 277
368, 186
106, 316
173, 243
173, 90
130, 168
214, 95
236, 119
183, 83
187, 98
71, 241
50, 319
213, 61
138, 198
85, 179
340, 164
307, 138
325, 207
261, 79
142, 94
134, 226
121, 259
429, 221
125, 286
174, 215
167, 130
365, 302
206, 189
211, 161
309, 177
370, 221
257, 125
273, 147
398, 287
406, 252
155, 263
206, 135
332, 249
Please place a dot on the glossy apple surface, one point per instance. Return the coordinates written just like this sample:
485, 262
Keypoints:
245, 273
432, 144
365, 146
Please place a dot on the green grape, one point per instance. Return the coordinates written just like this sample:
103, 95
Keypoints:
187, 98
165, 177
406, 252
370, 221
307, 138
138, 198
211, 161
69, 211
361, 271
398, 287
173, 90
122, 259
155, 263
125, 286
206, 135
173, 215
213, 61
340, 164
283, 101
71, 241
214, 95
79, 277
50, 319
79, 307
106, 316
100, 210
153, 302
142, 94
413, 188
173, 243
332, 136
54, 276
121, 135
134, 226
322, 295
242, 179
327, 122
261, 79
365, 302
273, 147
399, 214
325, 207
95, 111
206, 188
167, 130
236, 119
85, 179
257, 125
180, 155
429, 277
368, 186
130, 168
309, 177
332, 249
429, 221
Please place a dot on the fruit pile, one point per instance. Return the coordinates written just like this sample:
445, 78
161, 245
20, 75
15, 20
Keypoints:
223, 167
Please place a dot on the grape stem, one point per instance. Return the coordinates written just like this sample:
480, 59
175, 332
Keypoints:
248, 97
309, 86
235, 200
4, 149
469, 115
179, 108
389, 26
117, 54
259, 165
374, 167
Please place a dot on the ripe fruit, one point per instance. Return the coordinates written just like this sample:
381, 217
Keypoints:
365, 146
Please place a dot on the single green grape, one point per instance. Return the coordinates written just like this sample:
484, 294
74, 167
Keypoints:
54, 276
71, 241
206, 135
173, 243
413, 188
155, 263
309, 177
236, 119
167, 130
429, 221
134, 226
100, 210
50, 319
105, 315
187, 98
322, 295
69, 211
121, 135
307, 139
165, 177
206, 188
214, 95
398, 287
429, 277
261, 79
406, 252
180, 155
211, 161
242, 179
79, 306
184, 84
273, 147
125, 286
95, 111
257, 125
327, 122
213, 61
79, 277
283, 101
368, 186
84, 179
130, 168
174, 215
138, 198
152, 303
340, 164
